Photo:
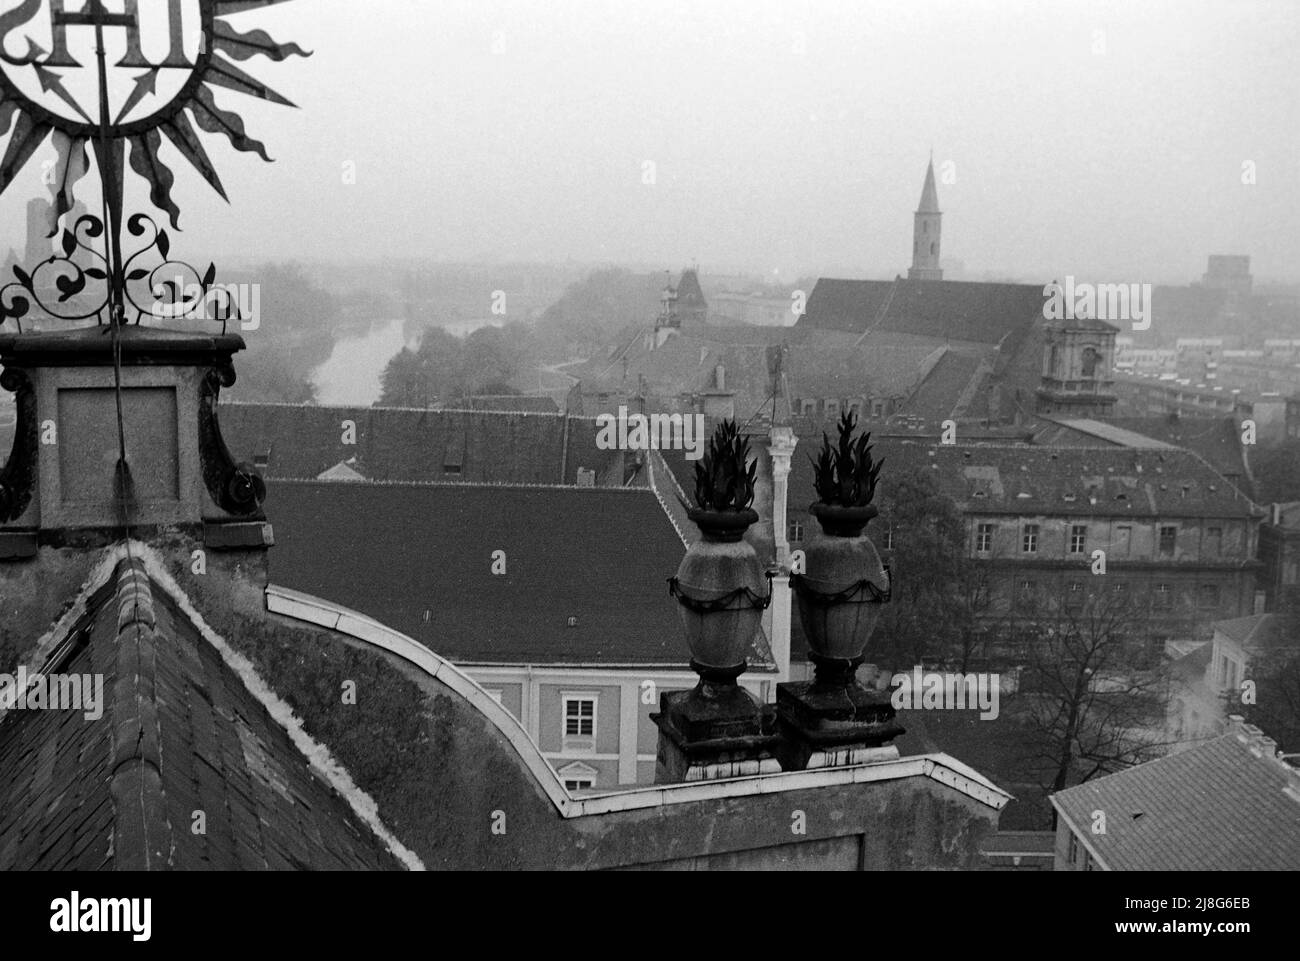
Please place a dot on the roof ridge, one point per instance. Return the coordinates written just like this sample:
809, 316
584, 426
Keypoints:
415, 410
142, 832
489, 485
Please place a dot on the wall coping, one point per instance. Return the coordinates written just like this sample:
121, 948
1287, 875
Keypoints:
938, 767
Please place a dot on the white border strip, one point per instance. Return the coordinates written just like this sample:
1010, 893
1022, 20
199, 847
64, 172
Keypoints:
316, 754
938, 767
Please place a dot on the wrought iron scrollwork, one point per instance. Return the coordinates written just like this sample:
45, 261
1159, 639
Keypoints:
18, 477
235, 487
172, 289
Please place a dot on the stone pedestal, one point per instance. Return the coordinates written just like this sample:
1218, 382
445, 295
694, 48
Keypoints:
833, 720
715, 730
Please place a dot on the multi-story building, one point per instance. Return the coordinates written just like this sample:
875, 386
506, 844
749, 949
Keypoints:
1279, 555
1179, 541
504, 542
252, 726
1147, 396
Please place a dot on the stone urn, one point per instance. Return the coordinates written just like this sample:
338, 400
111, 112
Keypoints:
721, 591
842, 587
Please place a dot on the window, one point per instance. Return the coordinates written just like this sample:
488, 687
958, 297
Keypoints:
1168, 540
1230, 675
1213, 541
1164, 599
1123, 540
984, 538
1074, 848
794, 532
579, 722
1030, 542
1090, 358
1025, 595
1078, 538
832, 408
494, 693
1207, 598
1074, 595
578, 776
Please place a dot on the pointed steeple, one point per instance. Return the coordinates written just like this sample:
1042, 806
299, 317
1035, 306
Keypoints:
927, 224
929, 196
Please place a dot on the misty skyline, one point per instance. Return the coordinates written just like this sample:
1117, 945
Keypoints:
785, 139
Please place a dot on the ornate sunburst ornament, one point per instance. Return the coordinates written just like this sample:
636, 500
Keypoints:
112, 79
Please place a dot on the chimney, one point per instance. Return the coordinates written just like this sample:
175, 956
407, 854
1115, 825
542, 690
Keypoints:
1260, 744
64, 483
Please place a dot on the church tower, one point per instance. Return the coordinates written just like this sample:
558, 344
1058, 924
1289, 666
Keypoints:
925, 233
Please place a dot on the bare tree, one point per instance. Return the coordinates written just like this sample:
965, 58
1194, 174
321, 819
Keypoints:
1091, 695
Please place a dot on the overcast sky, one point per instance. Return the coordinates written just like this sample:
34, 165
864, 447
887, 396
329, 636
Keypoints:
1094, 138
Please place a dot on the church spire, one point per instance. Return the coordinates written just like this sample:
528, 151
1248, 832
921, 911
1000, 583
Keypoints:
926, 225
929, 196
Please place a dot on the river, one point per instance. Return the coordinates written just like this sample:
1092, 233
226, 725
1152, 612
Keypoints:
351, 375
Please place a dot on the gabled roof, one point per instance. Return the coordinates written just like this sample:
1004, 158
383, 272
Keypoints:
1216, 440
1260, 632
689, 293
342, 471
180, 733
403, 444
1024, 479
1112, 433
1223, 806
419, 558
945, 309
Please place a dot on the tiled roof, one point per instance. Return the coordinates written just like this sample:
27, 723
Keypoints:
1261, 632
399, 444
1023, 479
943, 309
419, 557
1217, 807
948, 381
1216, 440
530, 403
817, 364
688, 289
180, 734
1114, 434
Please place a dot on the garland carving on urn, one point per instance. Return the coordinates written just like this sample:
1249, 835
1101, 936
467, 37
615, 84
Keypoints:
18, 478
235, 487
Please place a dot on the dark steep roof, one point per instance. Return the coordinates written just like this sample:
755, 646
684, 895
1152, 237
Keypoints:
1216, 440
689, 293
991, 479
418, 558
945, 309
401, 444
1217, 807
180, 733
521, 403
